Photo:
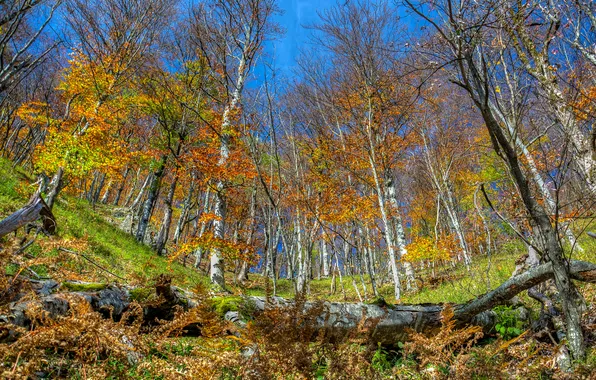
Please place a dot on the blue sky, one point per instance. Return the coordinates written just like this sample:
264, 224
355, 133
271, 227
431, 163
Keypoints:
297, 14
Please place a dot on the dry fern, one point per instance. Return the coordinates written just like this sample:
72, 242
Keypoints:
441, 348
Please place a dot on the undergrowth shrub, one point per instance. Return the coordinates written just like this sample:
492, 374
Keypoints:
284, 342
440, 349
83, 336
508, 324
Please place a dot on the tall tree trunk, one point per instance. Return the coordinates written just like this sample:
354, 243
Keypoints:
369, 262
106, 194
534, 173
217, 262
206, 207
325, 258
185, 210
99, 187
538, 63
400, 235
440, 180
91, 191
301, 276
137, 201
121, 187
164, 231
389, 239
571, 299
133, 187
151, 200
243, 273
273, 258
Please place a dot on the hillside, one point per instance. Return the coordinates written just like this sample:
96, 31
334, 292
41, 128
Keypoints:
87, 230
102, 255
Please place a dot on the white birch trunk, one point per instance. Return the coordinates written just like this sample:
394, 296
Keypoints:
389, 239
325, 258
301, 275
200, 250
400, 235
444, 195
216, 272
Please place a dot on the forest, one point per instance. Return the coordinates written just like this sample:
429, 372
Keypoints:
414, 197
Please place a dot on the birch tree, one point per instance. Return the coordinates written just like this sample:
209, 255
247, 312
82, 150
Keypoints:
230, 34
358, 35
19, 36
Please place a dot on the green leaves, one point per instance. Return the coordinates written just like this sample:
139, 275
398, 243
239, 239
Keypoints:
508, 325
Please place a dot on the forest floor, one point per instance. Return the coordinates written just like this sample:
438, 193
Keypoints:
87, 231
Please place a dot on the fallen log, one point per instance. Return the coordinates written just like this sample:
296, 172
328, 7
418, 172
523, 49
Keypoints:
35, 209
111, 301
390, 324
394, 323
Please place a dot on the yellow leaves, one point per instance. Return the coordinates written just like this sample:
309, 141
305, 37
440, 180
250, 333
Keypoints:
79, 154
38, 113
230, 250
423, 248
90, 135
83, 80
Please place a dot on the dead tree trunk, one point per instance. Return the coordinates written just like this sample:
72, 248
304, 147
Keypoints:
393, 323
32, 211
56, 186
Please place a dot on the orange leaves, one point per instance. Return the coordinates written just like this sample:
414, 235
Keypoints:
208, 217
205, 157
230, 250
585, 106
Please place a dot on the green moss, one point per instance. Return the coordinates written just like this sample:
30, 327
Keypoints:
12, 269
84, 286
140, 294
379, 301
221, 305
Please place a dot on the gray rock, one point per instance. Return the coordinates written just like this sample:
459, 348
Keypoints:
234, 317
44, 288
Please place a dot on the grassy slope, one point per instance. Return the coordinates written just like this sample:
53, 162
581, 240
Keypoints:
455, 286
80, 224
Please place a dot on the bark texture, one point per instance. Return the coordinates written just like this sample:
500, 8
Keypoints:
150, 201
32, 211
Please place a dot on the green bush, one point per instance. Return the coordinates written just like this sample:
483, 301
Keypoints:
508, 325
